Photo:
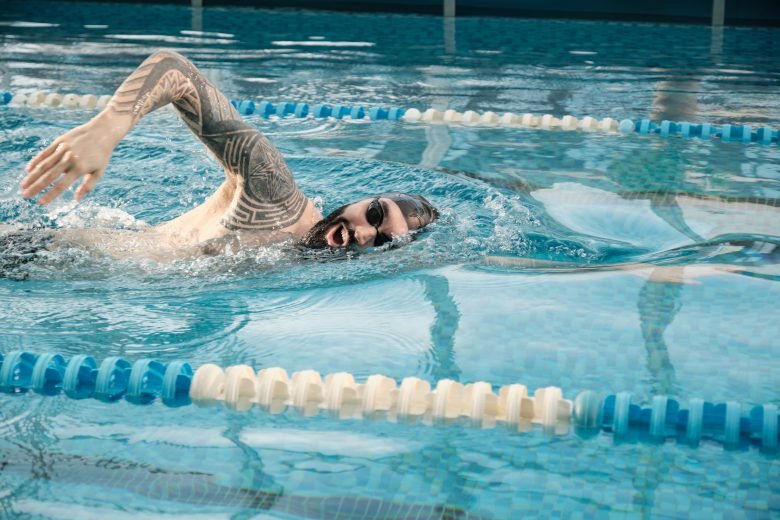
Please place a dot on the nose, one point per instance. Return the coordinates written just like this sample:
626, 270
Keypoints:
364, 235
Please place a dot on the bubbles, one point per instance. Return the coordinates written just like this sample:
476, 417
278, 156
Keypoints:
91, 215
512, 218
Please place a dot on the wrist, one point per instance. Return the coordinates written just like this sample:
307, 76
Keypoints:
112, 126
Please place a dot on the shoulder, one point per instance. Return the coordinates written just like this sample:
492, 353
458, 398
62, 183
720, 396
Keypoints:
264, 213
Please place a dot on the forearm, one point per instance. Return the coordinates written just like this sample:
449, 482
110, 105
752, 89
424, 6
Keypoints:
167, 77
164, 77
144, 91
269, 198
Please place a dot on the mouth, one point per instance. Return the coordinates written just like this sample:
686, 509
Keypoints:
338, 235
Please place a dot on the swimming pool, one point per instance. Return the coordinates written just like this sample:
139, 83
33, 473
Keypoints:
464, 302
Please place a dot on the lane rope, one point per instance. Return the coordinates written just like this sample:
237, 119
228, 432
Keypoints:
745, 134
240, 388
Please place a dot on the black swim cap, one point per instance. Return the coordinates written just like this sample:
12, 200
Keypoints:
416, 209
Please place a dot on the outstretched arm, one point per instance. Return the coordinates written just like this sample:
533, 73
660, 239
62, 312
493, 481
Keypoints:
268, 197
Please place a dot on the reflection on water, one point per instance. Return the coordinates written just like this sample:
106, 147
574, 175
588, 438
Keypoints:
443, 329
255, 493
658, 304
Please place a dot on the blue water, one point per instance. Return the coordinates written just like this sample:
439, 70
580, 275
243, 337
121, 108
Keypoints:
529, 277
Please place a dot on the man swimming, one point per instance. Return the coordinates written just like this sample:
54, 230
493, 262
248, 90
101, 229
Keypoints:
259, 200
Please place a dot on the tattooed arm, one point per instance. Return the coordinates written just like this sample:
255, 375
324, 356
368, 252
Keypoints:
268, 198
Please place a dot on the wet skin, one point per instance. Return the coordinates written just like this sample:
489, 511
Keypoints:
259, 200
355, 228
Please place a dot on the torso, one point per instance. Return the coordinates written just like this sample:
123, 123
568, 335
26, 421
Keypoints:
198, 232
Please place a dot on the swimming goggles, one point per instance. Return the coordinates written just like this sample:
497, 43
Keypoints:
375, 215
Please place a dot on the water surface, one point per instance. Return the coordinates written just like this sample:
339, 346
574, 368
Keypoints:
525, 278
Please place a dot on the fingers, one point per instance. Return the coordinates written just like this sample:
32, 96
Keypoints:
88, 185
53, 170
63, 184
44, 166
35, 161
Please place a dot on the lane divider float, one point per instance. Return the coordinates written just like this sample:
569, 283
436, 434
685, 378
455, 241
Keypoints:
240, 388
746, 134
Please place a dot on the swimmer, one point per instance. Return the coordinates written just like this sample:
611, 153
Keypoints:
259, 201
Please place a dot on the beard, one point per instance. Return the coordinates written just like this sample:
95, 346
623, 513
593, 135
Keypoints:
316, 238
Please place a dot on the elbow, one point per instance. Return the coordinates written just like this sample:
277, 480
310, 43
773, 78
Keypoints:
162, 54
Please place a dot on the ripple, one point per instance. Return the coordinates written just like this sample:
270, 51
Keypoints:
134, 323
207, 34
321, 43
9, 424
392, 327
170, 39
29, 25
311, 129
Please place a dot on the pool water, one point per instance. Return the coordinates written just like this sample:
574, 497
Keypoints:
580, 260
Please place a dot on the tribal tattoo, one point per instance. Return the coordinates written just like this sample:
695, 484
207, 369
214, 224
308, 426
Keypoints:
269, 198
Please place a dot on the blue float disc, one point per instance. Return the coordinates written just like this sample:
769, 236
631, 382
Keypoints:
301, 110
176, 384
727, 132
112, 379
285, 108
764, 135
377, 113
79, 380
48, 372
265, 109
394, 114
338, 111
246, 107
145, 381
748, 136
321, 111
622, 413
16, 372
694, 419
357, 113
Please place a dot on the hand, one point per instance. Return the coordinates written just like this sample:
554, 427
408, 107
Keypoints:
81, 152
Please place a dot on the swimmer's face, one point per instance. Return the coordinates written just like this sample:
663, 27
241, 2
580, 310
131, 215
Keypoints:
371, 222
367, 223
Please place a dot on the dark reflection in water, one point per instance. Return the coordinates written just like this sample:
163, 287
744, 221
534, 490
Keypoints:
201, 489
675, 98
443, 329
658, 304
